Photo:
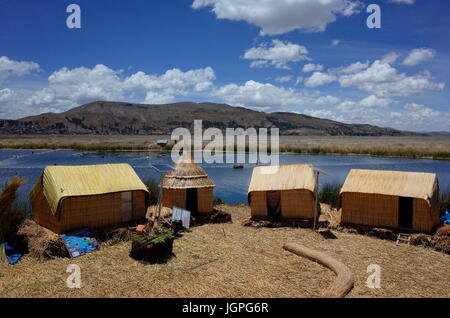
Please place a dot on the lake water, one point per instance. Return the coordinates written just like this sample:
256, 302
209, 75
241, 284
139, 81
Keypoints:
231, 184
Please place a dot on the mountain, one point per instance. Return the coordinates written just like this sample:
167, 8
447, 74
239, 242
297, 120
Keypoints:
439, 133
126, 118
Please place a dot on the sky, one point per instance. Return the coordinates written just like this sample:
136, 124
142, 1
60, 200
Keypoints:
315, 57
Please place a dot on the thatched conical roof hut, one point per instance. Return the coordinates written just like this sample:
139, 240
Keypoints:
188, 187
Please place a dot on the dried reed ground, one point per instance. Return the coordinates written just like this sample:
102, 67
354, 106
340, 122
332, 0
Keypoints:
229, 260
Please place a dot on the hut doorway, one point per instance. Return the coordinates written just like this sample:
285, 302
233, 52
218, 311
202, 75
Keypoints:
274, 203
127, 206
191, 200
405, 212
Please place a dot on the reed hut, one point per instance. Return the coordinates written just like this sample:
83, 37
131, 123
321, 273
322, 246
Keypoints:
286, 191
391, 199
73, 197
188, 187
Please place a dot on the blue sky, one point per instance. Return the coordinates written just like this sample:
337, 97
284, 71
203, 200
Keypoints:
305, 56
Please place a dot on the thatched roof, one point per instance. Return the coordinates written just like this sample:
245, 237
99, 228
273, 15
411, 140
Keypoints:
399, 183
187, 175
283, 177
58, 182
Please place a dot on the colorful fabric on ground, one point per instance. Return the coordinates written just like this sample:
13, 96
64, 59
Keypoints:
78, 246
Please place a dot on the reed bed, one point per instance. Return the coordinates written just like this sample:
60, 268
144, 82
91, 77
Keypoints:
385, 146
10, 214
329, 193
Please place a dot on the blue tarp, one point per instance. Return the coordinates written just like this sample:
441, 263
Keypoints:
446, 218
10, 249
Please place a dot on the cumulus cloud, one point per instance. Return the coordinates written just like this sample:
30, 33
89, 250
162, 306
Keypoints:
312, 67
269, 97
412, 116
72, 87
11, 68
284, 79
67, 88
390, 58
278, 54
370, 101
319, 78
381, 79
417, 56
282, 16
5, 94
172, 82
355, 68
420, 117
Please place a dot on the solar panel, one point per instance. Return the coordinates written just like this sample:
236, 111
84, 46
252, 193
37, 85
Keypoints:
162, 167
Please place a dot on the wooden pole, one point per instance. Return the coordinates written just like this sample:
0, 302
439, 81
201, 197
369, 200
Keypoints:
158, 218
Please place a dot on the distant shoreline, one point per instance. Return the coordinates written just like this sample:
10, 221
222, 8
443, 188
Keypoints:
417, 147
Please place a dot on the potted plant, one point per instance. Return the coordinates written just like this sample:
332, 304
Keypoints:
153, 245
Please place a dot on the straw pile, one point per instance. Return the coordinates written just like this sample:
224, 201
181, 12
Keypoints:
7, 198
42, 243
215, 217
443, 231
443, 239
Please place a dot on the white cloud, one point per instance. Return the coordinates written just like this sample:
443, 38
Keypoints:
68, 88
5, 94
259, 63
351, 69
172, 82
335, 42
390, 58
72, 87
370, 101
412, 116
284, 79
282, 16
279, 54
417, 56
270, 97
403, 1
298, 80
374, 101
312, 67
10, 68
382, 79
420, 117
319, 78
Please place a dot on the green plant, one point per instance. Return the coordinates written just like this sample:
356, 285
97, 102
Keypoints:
329, 193
155, 236
218, 201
